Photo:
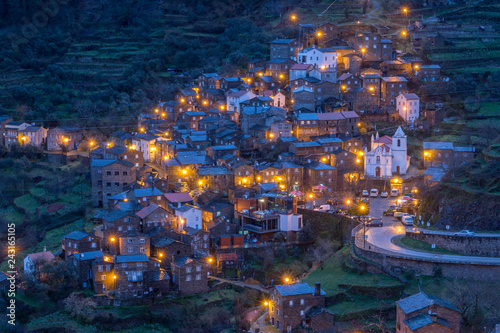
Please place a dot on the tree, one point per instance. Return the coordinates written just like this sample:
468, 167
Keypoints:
80, 306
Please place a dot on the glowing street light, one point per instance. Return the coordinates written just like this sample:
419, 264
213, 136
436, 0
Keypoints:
319, 34
282, 76
344, 87
142, 129
310, 196
222, 107
358, 160
66, 140
372, 88
156, 110
359, 124
161, 254
426, 154
266, 303
293, 17
271, 135
348, 202
182, 100
405, 10
112, 239
114, 277
287, 280
184, 171
205, 102
363, 50
200, 183
91, 143
403, 33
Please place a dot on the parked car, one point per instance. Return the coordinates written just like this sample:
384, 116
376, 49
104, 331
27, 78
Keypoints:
390, 211
324, 208
394, 192
398, 215
409, 195
466, 233
407, 220
365, 193
373, 193
375, 223
365, 200
384, 195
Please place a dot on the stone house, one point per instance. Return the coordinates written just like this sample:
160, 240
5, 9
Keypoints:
129, 272
145, 143
110, 177
4, 120
214, 212
426, 313
103, 273
11, 132
170, 110
317, 173
83, 263
346, 161
391, 87
204, 77
279, 69
428, 73
216, 179
372, 46
445, 153
117, 224
189, 275
187, 216
227, 260
176, 200
199, 240
396, 67
284, 49
154, 216
230, 83
134, 242
185, 96
244, 175
190, 119
77, 241
305, 148
165, 248
353, 145
64, 136
33, 135
289, 303
299, 71
325, 90
303, 97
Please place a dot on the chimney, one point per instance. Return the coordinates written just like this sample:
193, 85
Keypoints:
44, 248
317, 289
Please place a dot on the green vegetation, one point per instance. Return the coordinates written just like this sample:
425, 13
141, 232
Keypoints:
332, 274
413, 244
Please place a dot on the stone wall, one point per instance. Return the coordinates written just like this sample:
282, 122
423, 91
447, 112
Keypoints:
476, 246
434, 267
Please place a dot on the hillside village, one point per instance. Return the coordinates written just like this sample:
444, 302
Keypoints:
236, 164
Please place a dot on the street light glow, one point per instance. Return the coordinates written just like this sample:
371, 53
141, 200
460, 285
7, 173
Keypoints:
293, 17
184, 171
112, 239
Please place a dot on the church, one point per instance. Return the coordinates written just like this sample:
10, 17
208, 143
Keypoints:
388, 155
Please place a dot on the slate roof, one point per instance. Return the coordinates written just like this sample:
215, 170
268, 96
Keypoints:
32, 128
438, 145
421, 301
131, 258
146, 192
178, 197
181, 261
185, 208
318, 166
296, 289
410, 96
306, 144
436, 174
317, 310
101, 163
145, 136
307, 116
429, 66
116, 214
82, 256
394, 79
143, 213
282, 41
213, 207
301, 89
76, 235
469, 149
213, 171
328, 140
194, 113
162, 241
268, 186
344, 76
191, 231
116, 150
224, 147
277, 61
331, 116
422, 320
300, 67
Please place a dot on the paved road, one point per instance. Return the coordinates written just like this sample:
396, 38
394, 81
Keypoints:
381, 237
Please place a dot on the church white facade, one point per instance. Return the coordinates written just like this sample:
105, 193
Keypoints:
388, 155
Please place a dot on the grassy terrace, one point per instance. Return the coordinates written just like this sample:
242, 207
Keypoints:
332, 275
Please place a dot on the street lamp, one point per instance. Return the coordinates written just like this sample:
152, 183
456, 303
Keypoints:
293, 17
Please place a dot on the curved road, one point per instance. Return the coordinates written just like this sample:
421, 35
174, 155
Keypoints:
381, 238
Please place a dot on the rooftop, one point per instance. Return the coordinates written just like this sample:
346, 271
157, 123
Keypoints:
76, 235
438, 145
131, 258
296, 289
421, 301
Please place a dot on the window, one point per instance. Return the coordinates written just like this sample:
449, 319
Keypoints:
99, 267
399, 143
188, 269
291, 303
188, 278
103, 277
108, 173
301, 301
124, 264
117, 173
198, 277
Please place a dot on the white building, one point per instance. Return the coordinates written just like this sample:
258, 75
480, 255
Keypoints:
321, 58
145, 143
388, 155
279, 100
290, 222
408, 106
34, 261
233, 100
188, 216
